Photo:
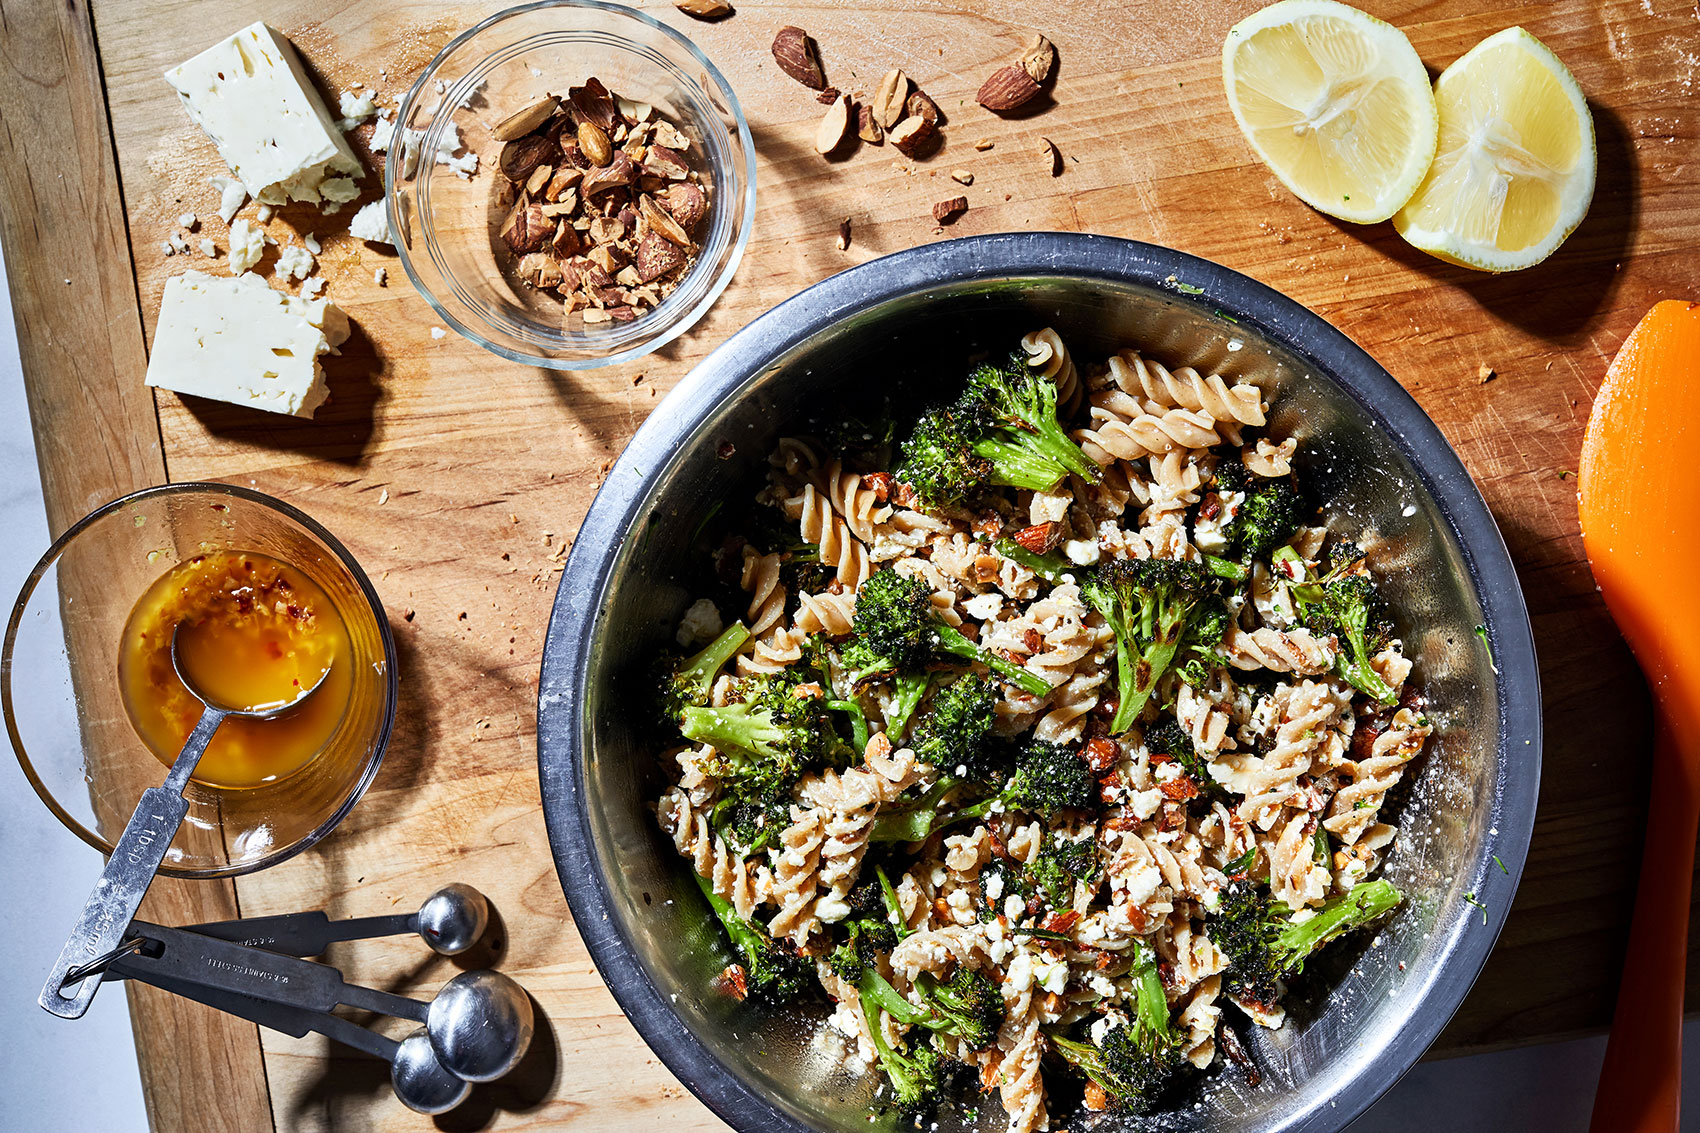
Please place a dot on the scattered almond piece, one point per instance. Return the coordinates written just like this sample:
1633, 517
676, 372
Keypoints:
921, 105
1038, 58
1053, 156
798, 57
1007, 88
844, 235
834, 127
891, 98
984, 144
1485, 374
594, 144
947, 211
828, 96
704, 9
868, 127
962, 176
913, 137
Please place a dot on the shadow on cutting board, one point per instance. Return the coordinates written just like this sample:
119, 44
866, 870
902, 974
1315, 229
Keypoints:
1560, 298
341, 429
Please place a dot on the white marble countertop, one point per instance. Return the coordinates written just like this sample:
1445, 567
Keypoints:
82, 1075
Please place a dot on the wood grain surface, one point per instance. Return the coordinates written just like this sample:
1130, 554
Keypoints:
456, 478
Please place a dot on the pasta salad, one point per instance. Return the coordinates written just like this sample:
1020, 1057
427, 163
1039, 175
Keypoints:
1054, 723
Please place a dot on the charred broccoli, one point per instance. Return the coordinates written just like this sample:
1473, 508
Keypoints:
1265, 945
1136, 1059
1003, 430
1047, 778
772, 971
1059, 865
685, 681
1150, 605
896, 629
1345, 603
766, 740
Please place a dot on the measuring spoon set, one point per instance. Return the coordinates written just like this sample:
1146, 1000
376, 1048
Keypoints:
475, 1029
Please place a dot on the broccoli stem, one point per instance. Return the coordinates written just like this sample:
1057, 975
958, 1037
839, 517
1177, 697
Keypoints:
909, 689
893, 910
737, 726
1016, 466
876, 988
751, 943
1048, 567
701, 668
858, 721
912, 823
950, 640
1356, 670
1226, 568
1359, 906
1151, 1002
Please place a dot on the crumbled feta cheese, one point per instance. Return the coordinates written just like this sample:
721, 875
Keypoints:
312, 243
166, 248
338, 191
379, 276
311, 289
832, 909
1052, 976
1081, 552
247, 245
294, 262
1014, 907
983, 607
439, 332
357, 105
208, 248
264, 214
371, 224
231, 197
188, 220
1207, 534
383, 132
992, 885
701, 623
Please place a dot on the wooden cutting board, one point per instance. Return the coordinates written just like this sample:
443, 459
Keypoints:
457, 479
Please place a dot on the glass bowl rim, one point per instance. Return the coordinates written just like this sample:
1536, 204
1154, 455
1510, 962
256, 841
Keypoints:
685, 321
381, 738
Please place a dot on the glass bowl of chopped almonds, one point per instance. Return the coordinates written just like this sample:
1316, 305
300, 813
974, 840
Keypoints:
612, 192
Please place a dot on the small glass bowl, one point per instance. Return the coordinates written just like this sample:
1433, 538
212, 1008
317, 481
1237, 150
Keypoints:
65, 714
445, 225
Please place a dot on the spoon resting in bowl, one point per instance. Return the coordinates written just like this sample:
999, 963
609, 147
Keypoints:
136, 857
1639, 499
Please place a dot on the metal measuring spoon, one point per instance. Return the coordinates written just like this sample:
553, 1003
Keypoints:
451, 920
479, 1024
420, 1081
137, 855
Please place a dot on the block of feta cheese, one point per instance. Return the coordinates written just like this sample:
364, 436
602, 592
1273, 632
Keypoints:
252, 97
237, 340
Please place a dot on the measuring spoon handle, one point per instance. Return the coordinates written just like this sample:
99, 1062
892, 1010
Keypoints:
117, 895
302, 934
135, 860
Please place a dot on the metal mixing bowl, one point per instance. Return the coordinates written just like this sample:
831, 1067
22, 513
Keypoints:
1366, 1009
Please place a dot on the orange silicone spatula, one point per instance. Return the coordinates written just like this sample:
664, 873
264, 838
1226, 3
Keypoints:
1640, 505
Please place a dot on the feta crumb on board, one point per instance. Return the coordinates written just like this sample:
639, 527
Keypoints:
439, 333
355, 106
701, 623
379, 276
208, 248
247, 245
238, 340
187, 220
371, 224
253, 98
231, 197
295, 262
312, 243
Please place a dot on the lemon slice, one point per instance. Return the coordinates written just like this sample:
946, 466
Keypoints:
1336, 104
1514, 174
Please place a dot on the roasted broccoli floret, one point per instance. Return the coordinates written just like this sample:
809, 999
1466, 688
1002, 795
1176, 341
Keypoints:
869, 927
1167, 737
1047, 778
1136, 1059
753, 821
1150, 605
967, 1005
939, 461
1265, 945
772, 971
951, 733
1267, 516
685, 681
896, 629
999, 881
1200, 644
1003, 430
1059, 865
765, 741
1346, 604
907, 692
918, 1075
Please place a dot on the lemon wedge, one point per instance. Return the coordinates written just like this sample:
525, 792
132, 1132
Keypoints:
1336, 104
1514, 173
